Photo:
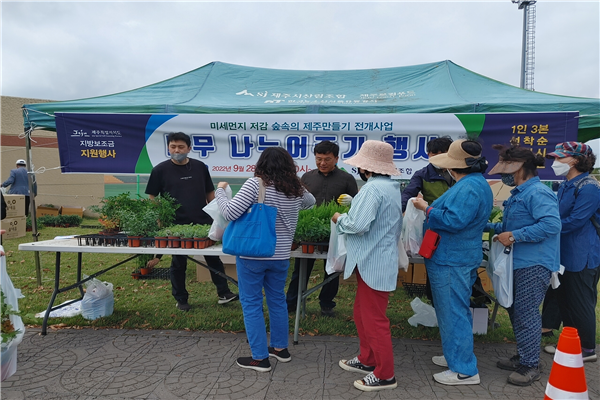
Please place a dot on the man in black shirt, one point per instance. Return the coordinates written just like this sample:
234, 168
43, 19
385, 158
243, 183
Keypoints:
189, 182
326, 183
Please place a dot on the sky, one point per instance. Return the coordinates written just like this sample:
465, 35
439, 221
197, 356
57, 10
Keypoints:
77, 49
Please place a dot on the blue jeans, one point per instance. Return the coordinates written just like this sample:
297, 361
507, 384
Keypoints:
451, 288
253, 276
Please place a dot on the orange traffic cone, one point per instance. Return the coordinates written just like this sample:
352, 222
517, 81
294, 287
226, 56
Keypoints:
567, 377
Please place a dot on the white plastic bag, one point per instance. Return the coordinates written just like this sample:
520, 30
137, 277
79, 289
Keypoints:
501, 264
98, 300
424, 314
336, 255
554, 281
219, 222
412, 229
9, 349
402, 257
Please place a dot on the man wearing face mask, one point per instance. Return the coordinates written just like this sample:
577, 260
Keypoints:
189, 182
430, 181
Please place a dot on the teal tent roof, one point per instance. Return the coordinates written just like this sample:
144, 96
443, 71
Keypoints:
441, 87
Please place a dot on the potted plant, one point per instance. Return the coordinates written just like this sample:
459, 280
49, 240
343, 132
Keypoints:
142, 260
173, 234
166, 206
201, 239
143, 223
187, 236
161, 238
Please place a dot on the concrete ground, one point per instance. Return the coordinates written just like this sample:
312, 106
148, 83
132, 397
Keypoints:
138, 364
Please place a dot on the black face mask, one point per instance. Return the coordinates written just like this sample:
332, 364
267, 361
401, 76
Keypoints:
508, 179
363, 176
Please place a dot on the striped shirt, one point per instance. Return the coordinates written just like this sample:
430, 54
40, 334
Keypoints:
372, 228
287, 212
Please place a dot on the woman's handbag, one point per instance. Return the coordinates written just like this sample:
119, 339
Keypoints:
430, 242
253, 233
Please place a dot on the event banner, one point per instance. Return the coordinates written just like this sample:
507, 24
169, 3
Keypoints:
230, 144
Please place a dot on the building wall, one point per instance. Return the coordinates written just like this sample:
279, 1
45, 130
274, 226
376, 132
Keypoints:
53, 186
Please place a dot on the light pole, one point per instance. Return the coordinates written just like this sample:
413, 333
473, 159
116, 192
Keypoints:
528, 48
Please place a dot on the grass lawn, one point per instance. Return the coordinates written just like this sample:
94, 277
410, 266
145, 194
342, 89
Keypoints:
148, 304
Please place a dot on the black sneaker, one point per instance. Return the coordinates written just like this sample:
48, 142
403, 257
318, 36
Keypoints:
524, 376
354, 365
227, 297
281, 356
509, 364
327, 312
249, 363
183, 306
372, 383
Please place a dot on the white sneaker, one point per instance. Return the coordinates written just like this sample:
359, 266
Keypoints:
440, 361
451, 378
551, 349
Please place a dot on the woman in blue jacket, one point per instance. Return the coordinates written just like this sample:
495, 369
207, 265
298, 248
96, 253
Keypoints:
459, 217
579, 205
531, 227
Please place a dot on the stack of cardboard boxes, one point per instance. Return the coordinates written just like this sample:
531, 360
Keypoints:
15, 223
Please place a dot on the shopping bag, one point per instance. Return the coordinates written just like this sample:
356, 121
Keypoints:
501, 262
253, 233
8, 356
412, 229
98, 300
219, 222
403, 261
336, 255
424, 314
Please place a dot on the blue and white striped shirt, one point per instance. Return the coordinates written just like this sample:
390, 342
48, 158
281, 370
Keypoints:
287, 212
372, 227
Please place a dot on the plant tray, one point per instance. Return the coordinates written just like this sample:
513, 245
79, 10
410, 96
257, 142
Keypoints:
157, 273
318, 246
116, 240
414, 289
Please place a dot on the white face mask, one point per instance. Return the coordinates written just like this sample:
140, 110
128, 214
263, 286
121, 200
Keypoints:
560, 169
449, 173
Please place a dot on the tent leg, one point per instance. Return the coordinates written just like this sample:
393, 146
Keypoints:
34, 230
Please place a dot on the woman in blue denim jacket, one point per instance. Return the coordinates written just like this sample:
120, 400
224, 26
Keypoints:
531, 227
458, 216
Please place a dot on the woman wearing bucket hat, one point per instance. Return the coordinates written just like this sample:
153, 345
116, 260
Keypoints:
579, 206
531, 227
372, 228
459, 217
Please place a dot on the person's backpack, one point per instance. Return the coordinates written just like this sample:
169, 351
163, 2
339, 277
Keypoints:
580, 184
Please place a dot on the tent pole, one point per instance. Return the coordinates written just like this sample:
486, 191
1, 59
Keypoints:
34, 230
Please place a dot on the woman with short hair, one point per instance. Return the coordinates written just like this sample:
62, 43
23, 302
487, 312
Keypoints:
531, 227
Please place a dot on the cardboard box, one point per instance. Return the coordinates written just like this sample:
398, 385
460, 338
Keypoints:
71, 210
46, 211
405, 276
486, 282
15, 205
15, 227
419, 274
203, 274
480, 320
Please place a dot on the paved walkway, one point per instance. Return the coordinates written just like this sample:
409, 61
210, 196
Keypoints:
138, 364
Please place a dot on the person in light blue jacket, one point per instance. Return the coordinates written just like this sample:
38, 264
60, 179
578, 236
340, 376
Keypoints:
372, 227
458, 216
531, 227
19, 182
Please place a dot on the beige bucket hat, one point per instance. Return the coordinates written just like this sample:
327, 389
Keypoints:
376, 157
